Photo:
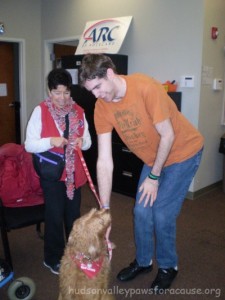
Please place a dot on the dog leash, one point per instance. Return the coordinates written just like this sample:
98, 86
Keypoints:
88, 175
109, 244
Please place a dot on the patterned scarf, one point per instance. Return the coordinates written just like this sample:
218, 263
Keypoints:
58, 114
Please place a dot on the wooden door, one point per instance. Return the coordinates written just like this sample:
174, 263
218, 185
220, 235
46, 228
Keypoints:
62, 50
7, 94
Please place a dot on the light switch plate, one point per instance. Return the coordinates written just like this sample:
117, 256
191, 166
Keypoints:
187, 81
218, 84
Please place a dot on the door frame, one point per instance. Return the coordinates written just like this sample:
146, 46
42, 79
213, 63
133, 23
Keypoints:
48, 50
22, 83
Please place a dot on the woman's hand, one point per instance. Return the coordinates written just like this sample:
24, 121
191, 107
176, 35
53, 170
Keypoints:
149, 190
59, 142
77, 143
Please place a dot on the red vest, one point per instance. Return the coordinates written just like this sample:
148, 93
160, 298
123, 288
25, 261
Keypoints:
49, 129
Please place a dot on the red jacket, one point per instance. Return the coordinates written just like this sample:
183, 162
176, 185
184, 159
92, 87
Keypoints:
19, 184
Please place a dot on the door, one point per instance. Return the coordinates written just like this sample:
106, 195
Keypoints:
9, 94
62, 50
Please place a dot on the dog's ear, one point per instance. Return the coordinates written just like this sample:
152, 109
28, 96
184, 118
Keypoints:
75, 234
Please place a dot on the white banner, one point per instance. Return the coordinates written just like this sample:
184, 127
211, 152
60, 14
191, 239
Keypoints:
103, 36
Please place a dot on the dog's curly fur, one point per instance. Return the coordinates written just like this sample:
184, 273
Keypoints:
87, 237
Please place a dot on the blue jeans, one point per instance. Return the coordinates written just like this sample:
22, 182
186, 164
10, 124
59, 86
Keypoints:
155, 227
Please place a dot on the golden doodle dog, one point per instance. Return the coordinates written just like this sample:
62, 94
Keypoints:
85, 265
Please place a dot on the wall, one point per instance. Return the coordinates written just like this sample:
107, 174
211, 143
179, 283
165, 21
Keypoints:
22, 21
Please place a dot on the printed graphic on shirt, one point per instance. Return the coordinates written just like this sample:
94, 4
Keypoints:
130, 126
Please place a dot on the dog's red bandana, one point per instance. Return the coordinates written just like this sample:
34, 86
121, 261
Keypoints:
90, 268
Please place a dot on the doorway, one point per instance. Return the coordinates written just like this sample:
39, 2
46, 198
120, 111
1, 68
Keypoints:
50, 61
9, 93
60, 50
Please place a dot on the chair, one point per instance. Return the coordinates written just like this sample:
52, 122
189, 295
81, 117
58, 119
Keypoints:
18, 217
21, 197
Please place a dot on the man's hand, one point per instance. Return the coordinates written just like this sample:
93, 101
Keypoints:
149, 190
77, 143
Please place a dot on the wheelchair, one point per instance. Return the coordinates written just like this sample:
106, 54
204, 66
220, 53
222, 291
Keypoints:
21, 288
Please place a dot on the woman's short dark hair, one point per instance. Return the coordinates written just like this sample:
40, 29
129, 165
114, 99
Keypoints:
94, 65
59, 77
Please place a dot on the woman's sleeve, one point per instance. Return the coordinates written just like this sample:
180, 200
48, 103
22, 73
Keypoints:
86, 136
34, 143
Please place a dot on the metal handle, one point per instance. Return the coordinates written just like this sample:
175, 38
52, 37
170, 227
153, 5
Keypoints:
15, 104
128, 174
126, 150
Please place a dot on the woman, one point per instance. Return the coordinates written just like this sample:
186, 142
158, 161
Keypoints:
45, 132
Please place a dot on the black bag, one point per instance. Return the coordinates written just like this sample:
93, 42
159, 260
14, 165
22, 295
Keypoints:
49, 165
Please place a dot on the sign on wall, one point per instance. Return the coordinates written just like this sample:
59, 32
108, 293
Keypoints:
103, 36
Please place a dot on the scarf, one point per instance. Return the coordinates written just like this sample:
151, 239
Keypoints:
89, 267
58, 114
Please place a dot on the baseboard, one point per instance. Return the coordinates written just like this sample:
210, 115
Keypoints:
205, 190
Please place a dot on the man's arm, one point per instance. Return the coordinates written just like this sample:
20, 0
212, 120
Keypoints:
149, 187
165, 130
105, 168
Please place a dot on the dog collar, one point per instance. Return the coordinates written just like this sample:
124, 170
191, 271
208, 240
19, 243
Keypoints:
90, 268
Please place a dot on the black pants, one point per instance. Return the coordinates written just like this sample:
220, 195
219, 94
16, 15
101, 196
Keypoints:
60, 214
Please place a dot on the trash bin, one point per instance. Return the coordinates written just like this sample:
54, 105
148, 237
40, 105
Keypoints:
222, 150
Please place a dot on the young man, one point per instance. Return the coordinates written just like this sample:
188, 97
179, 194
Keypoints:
150, 125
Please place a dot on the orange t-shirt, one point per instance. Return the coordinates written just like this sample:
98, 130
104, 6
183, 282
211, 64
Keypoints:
146, 103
